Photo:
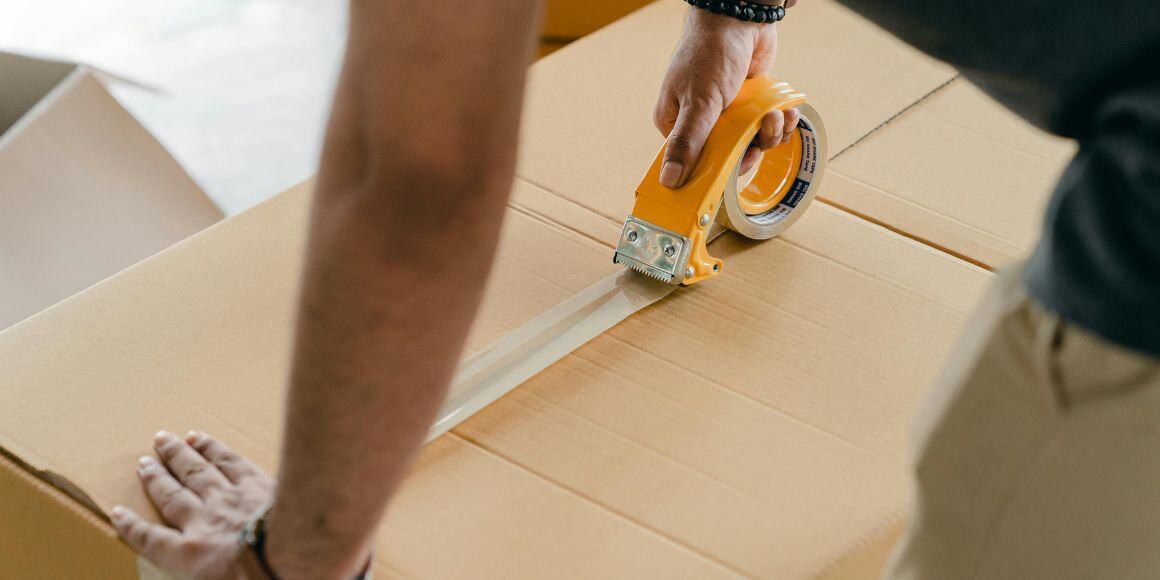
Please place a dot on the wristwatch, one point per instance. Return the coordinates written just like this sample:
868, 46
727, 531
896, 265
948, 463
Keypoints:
757, 11
253, 555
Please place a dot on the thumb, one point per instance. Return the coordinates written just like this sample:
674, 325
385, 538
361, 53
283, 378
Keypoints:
694, 121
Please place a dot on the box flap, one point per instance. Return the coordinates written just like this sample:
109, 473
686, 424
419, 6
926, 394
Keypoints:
957, 171
26, 82
87, 192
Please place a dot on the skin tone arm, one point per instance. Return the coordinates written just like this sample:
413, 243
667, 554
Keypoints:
416, 171
715, 55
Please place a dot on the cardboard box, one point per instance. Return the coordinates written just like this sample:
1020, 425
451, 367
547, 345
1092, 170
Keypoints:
85, 189
754, 425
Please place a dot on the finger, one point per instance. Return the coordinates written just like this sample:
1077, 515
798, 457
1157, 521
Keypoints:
233, 466
772, 129
157, 543
792, 117
175, 502
665, 114
694, 121
187, 465
751, 157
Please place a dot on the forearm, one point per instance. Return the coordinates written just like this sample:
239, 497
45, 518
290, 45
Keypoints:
415, 175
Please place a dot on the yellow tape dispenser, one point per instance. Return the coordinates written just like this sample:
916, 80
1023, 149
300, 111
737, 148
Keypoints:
666, 235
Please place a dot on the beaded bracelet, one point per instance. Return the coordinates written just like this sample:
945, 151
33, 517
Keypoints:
741, 10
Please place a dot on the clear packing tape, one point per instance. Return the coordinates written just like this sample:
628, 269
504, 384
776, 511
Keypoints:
749, 209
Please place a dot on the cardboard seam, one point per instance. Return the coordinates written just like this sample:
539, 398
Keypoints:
885, 281
541, 187
891, 118
927, 210
533, 214
749, 398
617, 514
646, 448
914, 237
773, 307
662, 394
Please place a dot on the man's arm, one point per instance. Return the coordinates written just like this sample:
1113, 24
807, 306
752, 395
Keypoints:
714, 57
416, 171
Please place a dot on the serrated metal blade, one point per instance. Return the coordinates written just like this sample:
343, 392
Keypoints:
643, 269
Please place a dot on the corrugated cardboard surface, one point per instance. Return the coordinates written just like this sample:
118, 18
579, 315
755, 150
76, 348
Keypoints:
85, 190
957, 171
751, 426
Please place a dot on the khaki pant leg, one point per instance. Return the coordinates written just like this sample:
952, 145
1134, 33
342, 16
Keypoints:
1037, 454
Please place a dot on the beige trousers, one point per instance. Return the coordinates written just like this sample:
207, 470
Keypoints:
1037, 454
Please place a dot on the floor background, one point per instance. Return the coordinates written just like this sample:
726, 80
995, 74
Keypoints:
238, 89
242, 86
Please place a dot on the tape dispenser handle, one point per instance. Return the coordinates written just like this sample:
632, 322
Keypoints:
681, 210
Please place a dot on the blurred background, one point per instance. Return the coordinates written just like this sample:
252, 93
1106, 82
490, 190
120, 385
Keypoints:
237, 90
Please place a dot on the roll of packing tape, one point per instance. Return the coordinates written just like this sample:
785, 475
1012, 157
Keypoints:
774, 194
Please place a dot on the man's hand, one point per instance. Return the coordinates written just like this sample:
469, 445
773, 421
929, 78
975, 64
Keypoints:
206, 493
715, 55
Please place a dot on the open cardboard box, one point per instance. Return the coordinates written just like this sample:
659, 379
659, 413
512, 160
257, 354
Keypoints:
85, 190
754, 425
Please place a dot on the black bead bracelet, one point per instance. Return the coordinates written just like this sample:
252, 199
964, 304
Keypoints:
741, 10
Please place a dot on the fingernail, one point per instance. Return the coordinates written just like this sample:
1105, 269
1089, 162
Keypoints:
162, 437
118, 513
671, 174
146, 463
193, 437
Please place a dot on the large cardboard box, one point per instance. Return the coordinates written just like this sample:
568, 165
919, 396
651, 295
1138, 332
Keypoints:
85, 191
754, 425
